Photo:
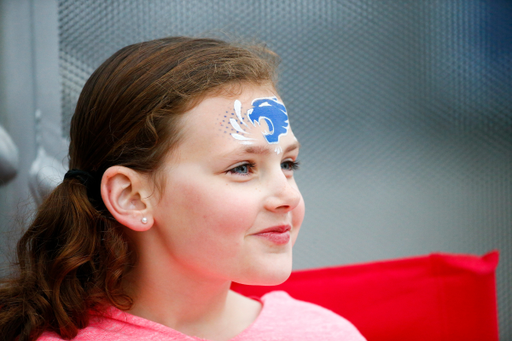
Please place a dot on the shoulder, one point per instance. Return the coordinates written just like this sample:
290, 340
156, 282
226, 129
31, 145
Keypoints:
48, 337
114, 324
307, 321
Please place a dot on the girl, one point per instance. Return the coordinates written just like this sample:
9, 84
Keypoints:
181, 181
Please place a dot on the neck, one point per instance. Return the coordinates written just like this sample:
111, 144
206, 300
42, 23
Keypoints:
176, 298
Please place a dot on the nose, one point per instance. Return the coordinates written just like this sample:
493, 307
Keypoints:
284, 195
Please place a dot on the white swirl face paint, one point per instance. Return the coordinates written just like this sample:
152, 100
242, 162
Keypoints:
235, 124
268, 110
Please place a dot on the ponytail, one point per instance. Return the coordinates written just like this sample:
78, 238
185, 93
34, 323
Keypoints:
70, 260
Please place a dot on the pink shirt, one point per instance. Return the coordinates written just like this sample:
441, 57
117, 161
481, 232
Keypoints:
281, 318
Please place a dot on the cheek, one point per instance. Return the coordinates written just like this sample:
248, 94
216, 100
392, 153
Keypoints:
297, 218
211, 217
216, 209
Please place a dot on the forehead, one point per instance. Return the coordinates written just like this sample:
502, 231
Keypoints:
216, 106
208, 124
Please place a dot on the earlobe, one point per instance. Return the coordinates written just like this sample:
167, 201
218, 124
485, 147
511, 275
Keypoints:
124, 192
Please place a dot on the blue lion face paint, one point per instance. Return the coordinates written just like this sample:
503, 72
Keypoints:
273, 113
267, 109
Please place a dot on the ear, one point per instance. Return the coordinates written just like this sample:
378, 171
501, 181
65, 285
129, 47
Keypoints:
126, 194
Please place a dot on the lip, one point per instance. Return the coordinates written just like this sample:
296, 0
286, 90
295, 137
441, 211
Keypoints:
279, 235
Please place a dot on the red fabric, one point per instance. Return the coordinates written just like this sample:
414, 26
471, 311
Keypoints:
434, 297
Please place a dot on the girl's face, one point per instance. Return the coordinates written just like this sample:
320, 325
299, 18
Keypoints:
231, 209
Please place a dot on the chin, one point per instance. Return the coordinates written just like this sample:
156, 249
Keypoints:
268, 274
275, 280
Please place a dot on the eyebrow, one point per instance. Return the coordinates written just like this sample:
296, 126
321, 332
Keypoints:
261, 150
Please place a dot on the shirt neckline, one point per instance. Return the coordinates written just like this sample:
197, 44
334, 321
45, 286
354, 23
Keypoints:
125, 317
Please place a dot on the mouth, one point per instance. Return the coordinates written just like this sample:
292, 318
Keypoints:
279, 235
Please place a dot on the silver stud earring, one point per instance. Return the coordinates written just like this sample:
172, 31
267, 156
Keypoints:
144, 220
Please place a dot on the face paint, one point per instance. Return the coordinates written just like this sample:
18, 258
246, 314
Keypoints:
274, 113
243, 139
268, 109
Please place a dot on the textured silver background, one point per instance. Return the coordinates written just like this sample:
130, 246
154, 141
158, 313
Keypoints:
404, 111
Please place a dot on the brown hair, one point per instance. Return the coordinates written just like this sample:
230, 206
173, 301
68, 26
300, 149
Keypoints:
74, 256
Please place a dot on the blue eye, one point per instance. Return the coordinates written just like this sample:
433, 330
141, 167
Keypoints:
244, 169
290, 165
